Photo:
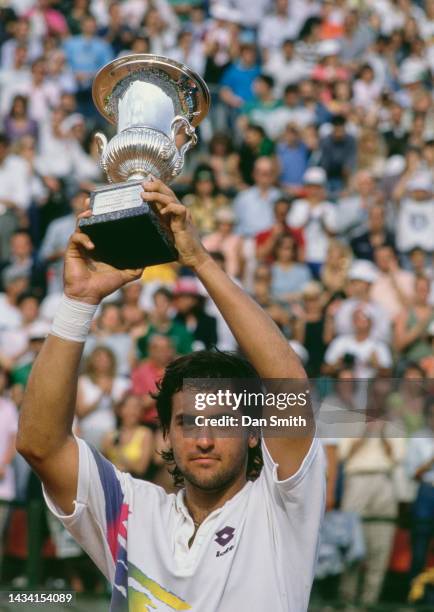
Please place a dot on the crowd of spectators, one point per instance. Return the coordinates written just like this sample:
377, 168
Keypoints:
312, 185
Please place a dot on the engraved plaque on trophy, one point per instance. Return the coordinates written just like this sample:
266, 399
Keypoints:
150, 99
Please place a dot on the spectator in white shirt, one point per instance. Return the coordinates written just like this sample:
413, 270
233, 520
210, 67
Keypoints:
415, 222
316, 216
14, 194
21, 38
285, 67
10, 76
361, 277
43, 95
188, 52
14, 282
276, 28
369, 356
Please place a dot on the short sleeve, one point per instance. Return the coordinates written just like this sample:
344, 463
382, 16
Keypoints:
334, 352
311, 475
100, 508
298, 215
383, 355
330, 218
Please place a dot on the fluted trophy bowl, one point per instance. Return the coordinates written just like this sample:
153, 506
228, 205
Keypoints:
150, 99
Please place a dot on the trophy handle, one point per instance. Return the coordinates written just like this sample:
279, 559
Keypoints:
178, 122
101, 143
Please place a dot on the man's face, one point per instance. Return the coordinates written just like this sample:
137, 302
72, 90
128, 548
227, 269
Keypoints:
20, 56
384, 258
21, 245
160, 350
281, 211
261, 88
110, 319
339, 132
29, 309
420, 195
208, 462
291, 135
288, 50
314, 192
361, 322
88, 26
365, 184
263, 173
185, 302
248, 55
359, 288
22, 29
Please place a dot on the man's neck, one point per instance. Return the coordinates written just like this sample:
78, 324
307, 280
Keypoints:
201, 503
361, 336
264, 191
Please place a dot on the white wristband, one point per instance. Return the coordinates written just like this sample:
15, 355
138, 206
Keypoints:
73, 319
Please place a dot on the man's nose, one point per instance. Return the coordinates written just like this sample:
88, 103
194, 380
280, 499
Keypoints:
205, 440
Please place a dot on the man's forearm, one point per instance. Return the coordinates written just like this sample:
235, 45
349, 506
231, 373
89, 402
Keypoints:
259, 338
49, 402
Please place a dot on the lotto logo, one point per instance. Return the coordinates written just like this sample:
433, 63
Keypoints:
225, 535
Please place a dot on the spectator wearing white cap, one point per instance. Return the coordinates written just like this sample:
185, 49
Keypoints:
360, 350
411, 74
415, 220
316, 216
330, 68
361, 277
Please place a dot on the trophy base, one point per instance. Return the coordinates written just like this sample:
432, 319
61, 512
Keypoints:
125, 230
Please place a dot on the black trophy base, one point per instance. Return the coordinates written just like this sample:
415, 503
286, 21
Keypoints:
125, 230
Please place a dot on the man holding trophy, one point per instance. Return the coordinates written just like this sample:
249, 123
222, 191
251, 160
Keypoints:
223, 543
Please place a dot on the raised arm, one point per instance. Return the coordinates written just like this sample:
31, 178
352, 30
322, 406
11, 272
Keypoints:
259, 338
45, 430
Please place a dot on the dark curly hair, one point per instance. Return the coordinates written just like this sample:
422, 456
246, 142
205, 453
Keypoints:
200, 365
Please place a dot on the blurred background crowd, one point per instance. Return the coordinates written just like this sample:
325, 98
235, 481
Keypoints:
312, 185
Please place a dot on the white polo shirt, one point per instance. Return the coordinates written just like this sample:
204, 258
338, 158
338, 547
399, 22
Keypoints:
257, 552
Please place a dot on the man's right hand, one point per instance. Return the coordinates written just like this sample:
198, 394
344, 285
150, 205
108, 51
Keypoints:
176, 217
87, 280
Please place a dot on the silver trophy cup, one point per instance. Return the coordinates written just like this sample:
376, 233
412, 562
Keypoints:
151, 99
